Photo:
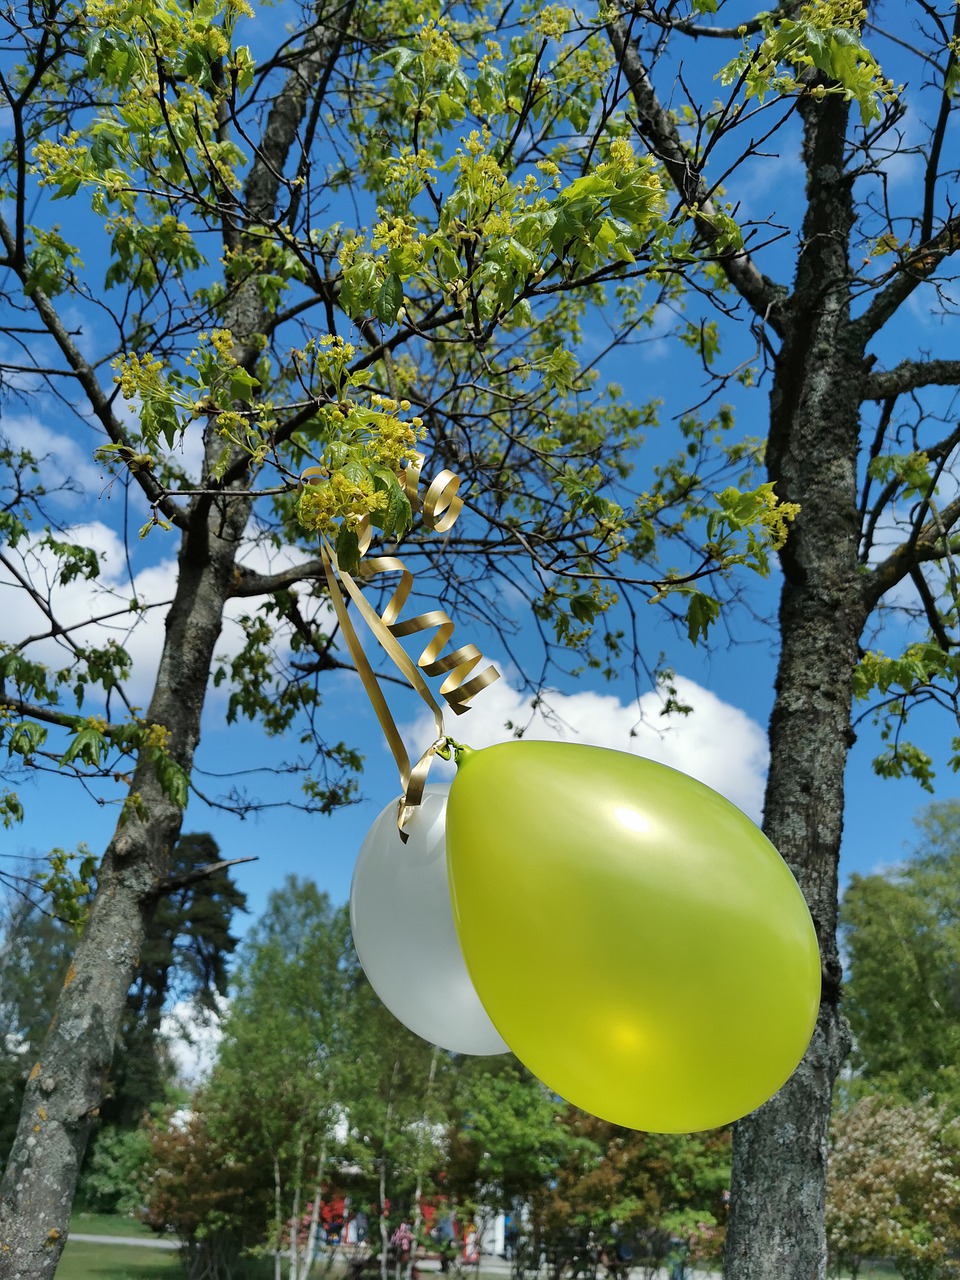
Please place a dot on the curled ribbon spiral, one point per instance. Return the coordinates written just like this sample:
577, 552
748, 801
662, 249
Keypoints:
440, 508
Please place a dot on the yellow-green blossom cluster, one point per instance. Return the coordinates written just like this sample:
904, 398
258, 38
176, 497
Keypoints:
826, 14
437, 45
777, 516
622, 157
553, 22
325, 503
370, 444
138, 376
50, 159
393, 441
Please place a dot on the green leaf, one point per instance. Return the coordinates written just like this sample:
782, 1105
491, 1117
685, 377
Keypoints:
101, 150
701, 612
242, 384
88, 747
25, 738
389, 300
172, 778
584, 607
348, 550
399, 513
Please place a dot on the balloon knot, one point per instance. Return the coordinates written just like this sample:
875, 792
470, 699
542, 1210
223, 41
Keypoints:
449, 748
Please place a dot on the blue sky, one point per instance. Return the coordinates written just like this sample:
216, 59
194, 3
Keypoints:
729, 684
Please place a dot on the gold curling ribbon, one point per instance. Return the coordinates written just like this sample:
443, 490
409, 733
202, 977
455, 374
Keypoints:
441, 508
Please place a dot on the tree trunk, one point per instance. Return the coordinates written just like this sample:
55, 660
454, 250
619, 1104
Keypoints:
384, 1232
293, 1248
776, 1229
65, 1086
310, 1247
421, 1143
277, 1221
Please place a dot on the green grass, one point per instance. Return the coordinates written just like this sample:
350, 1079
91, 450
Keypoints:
117, 1262
107, 1224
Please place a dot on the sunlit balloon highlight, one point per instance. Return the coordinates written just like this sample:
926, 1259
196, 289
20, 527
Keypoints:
637, 941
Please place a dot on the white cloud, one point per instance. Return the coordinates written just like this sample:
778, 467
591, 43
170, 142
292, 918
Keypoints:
84, 605
717, 743
77, 604
81, 602
193, 1036
63, 457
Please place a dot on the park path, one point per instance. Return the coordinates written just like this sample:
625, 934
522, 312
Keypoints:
149, 1242
489, 1266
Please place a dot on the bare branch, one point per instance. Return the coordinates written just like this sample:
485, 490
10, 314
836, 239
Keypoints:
660, 132
908, 375
248, 583
934, 620
173, 883
929, 544
932, 174
907, 276
687, 26
87, 377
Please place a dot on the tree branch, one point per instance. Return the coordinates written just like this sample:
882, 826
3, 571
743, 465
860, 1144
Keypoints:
934, 620
247, 582
87, 377
687, 26
62, 719
932, 173
310, 74
908, 375
929, 544
660, 132
912, 272
173, 883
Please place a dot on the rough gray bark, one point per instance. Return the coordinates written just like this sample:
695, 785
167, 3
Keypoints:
821, 378
66, 1084
779, 1177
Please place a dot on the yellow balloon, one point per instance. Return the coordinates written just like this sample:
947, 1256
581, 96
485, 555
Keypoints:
636, 940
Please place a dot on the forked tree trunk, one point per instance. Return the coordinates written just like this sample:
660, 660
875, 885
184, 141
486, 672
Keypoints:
776, 1229
65, 1085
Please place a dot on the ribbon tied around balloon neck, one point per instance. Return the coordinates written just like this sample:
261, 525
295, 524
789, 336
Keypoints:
440, 509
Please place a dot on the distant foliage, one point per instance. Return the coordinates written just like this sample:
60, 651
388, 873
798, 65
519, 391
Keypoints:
894, 1189
902, 991
203, 1191
113, 1180
319, 1093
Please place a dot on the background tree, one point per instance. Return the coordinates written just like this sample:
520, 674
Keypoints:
185, 951
35, 954
893, 1189
901, 932
507, 1136
186, 948
241, 320
280, 1085
200, 1188
635, 1192
861, 443
397, 1104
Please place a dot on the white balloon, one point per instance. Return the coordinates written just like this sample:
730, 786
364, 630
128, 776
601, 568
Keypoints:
404, 933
